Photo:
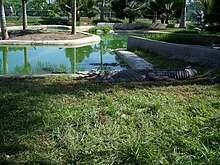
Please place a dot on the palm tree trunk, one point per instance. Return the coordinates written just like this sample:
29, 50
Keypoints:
102, 10
73, 11
183, 16
24, 12
154, 20
3, 22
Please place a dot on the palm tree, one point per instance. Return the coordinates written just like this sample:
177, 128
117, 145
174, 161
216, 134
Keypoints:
3, 22
134, 10
102, 9
153, 6
73, 11
24, 13
183, 15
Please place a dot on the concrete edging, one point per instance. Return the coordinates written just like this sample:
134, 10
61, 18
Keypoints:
77, 42
133, 61
190, 53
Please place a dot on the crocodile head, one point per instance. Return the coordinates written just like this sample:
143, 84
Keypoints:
192, 72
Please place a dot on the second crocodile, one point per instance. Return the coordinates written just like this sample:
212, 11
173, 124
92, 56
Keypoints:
127, 75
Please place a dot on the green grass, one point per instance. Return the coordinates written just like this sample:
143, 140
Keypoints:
61, 120
181, 39
32, 21
163, 62
190, 31
180, 30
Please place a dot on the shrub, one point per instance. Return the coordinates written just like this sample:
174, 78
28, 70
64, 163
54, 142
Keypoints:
105, 29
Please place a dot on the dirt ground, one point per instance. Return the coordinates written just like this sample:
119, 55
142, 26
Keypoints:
40, 35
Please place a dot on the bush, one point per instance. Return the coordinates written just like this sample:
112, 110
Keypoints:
213, 28
109, 21
104, 29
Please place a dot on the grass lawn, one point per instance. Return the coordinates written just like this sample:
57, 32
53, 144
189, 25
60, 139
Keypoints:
62, 120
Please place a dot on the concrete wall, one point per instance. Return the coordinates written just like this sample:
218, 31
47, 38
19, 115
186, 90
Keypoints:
191, 53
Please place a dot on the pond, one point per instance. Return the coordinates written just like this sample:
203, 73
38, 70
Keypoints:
34, 59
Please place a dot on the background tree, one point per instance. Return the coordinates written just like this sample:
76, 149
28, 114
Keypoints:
211, 9
4, 31
118, 7
125, 8
134, 10
152, 10
90, 8
183, 14
24, 14
66, 6
73, 11
102, 9
162, 9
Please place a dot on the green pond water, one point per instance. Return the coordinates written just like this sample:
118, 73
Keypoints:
32, 59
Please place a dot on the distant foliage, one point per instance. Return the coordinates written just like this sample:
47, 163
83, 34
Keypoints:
211, 10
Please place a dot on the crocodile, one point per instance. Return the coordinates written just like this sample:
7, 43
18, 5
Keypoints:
107, 64
53, 71
142, 74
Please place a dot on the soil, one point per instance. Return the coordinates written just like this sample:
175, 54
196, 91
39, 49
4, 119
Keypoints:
43, 35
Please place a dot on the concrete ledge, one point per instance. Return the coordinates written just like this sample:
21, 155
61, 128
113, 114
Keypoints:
191, 53
133, 61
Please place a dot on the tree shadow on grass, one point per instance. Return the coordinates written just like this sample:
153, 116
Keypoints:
23, 105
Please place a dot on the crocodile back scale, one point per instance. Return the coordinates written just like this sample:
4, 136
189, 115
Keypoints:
178, 74
142, 74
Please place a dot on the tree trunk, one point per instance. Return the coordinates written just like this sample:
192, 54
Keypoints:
5, 59
78, 18
154, 20
102, 8
130, 20
24, 13
3, 22
73, 11
183, 16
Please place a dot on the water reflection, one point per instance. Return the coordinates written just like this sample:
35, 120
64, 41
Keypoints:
31, 60
5, 60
